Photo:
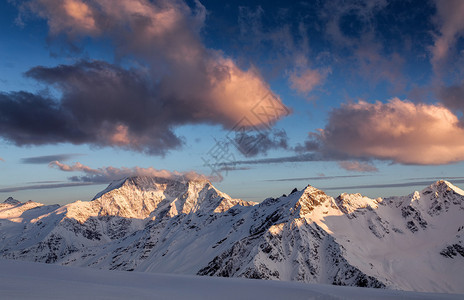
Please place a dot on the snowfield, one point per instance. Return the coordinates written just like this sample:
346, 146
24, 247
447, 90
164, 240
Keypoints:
26, 280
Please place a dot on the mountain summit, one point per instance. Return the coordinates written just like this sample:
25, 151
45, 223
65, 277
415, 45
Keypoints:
172, 225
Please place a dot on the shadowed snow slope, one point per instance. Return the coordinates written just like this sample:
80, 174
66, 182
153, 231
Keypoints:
160, 225
25, 280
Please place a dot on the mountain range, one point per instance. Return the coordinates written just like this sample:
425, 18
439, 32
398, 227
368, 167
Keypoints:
173, 225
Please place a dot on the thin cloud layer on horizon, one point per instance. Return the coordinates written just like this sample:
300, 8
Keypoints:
46, 159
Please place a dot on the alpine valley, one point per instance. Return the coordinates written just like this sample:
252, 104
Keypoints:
162, 225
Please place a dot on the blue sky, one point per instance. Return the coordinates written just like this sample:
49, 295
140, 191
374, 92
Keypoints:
358, 96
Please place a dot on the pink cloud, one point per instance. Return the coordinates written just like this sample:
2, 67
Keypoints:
399, 130
451, 26
357, 166
304, 81
74, 17
108, 174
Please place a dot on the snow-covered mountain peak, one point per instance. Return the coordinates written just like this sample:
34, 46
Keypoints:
156, 197
12, 201
145, 183
348, 203
439, 197
442, 187
310, 198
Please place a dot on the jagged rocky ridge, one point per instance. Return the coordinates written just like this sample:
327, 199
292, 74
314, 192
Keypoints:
413, 242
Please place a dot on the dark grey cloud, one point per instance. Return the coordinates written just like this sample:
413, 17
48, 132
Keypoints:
27, 118
45, 159
253, 143
102, 104
278, 160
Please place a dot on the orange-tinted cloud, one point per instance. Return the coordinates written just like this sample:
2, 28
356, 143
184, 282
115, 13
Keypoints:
74, 17
400, 131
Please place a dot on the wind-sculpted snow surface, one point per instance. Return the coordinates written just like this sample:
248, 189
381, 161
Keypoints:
161, 225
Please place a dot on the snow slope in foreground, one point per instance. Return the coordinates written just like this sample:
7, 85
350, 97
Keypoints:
26, 280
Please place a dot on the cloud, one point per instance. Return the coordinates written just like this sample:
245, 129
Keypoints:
316, 178
170, 78
47, 158
108, 174
1, 159
347, 22
354, 29
71, 16
232, 168
451, 27
376, 66
453, 97
400, 131
278, 160
252, 143
285, 45
357, 166
388, 185
44, 186
305, 81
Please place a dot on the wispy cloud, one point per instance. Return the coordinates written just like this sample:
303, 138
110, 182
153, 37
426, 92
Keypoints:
304, 81
232, 168
317, 178
277, 160
388, 185
45, 159
357, 166
450, 26
286, 45
44, 186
